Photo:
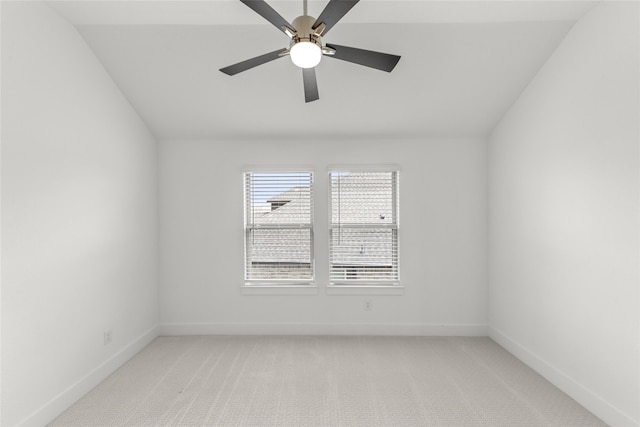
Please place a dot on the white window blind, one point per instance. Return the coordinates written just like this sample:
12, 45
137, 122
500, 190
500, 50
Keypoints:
278, 227
363, 240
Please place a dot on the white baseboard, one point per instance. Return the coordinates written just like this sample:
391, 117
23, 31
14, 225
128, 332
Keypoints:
406, 329
587, 398
56, 406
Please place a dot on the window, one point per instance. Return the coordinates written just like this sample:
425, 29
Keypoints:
278, 227
363, 240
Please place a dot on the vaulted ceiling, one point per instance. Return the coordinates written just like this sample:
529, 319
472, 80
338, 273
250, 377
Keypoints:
463, 64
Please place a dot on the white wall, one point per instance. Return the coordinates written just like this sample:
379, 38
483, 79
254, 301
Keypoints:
79, 228
564, 217
442, 239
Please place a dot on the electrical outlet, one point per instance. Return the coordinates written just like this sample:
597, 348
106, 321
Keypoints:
108, 336
368, 306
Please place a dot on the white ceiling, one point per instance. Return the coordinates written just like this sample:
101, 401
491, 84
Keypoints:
463, 64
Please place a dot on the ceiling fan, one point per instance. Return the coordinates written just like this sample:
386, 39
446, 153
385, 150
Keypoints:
306, 48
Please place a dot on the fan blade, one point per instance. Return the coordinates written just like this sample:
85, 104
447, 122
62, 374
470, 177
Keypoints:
253, 62
368, 58
310, 84
268, 13
332, 13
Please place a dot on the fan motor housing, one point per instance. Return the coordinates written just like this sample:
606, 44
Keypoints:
305, 33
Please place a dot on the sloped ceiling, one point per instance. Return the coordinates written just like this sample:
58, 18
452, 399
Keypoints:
463, 64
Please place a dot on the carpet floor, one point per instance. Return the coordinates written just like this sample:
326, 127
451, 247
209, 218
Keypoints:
325, 381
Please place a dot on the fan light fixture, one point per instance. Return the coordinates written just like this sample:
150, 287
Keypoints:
305, 54
305, 43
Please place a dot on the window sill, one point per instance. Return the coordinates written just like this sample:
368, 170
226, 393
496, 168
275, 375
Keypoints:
253, 289
365, 290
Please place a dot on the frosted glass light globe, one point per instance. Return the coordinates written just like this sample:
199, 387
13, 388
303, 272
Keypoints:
305, 54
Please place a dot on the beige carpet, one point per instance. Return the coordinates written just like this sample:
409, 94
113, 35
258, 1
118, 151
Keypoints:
325, 381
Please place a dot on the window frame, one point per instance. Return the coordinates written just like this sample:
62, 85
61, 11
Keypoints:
264, 286
366, 286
